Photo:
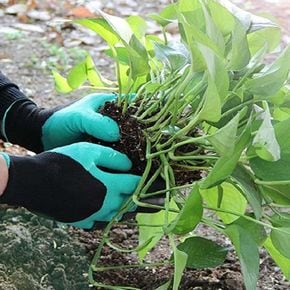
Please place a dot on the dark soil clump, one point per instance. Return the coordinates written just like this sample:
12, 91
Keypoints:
133, 143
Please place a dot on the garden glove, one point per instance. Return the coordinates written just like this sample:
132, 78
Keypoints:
36, 129
71, 184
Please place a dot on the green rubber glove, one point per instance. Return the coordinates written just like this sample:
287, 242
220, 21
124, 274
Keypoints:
71, 183
72, 123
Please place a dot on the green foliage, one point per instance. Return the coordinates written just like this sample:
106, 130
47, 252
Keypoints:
203, 253
214, 94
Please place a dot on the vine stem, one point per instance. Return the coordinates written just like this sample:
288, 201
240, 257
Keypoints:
144, 265
245, 217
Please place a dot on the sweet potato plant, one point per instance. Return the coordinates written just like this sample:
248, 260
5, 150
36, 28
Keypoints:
207, 111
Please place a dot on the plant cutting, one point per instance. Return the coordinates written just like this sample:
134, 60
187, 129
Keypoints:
208, 112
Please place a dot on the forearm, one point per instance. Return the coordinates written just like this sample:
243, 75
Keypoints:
3, 175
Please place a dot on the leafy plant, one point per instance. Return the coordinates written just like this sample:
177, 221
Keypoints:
212, 106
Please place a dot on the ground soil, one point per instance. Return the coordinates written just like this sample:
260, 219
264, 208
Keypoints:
36, 253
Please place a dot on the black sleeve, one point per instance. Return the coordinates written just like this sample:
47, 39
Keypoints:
9, 93
24, 120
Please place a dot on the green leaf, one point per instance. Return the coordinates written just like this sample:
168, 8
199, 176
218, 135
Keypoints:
138, 25
61, 83
232, 200
268, 37
166, 16
149, 232
280, 238
250, 21
223, 140
224, 167
217, 70
257, 231
270, 81
211, 109
93, 75
202, 253
180, 259
102, 28
280, 260
211, 29
153, 231
281, 220
240, 54
78, 75
119, 25
221, 16
265, 141
171, 58
164, 286
248, 253
279, 194
278, 170
249, 189
190, 214
138, 58
121, 54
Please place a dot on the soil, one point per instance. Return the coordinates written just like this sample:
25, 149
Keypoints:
36, 253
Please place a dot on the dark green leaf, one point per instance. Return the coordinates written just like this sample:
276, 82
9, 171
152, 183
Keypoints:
249, 189
190, 214
203, 253
256, 231
280, 238
281, 220
248, 253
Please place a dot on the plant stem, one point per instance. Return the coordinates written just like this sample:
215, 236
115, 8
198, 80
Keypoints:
144, 265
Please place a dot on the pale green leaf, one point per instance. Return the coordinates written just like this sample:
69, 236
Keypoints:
270, 81
180, 259
281, 261
138, 25
77, 75
119, 25
166, 16
265, 142
61, 83
102, 28
240, 54
231, 199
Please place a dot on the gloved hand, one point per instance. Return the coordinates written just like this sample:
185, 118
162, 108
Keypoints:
36, 129
68, 185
